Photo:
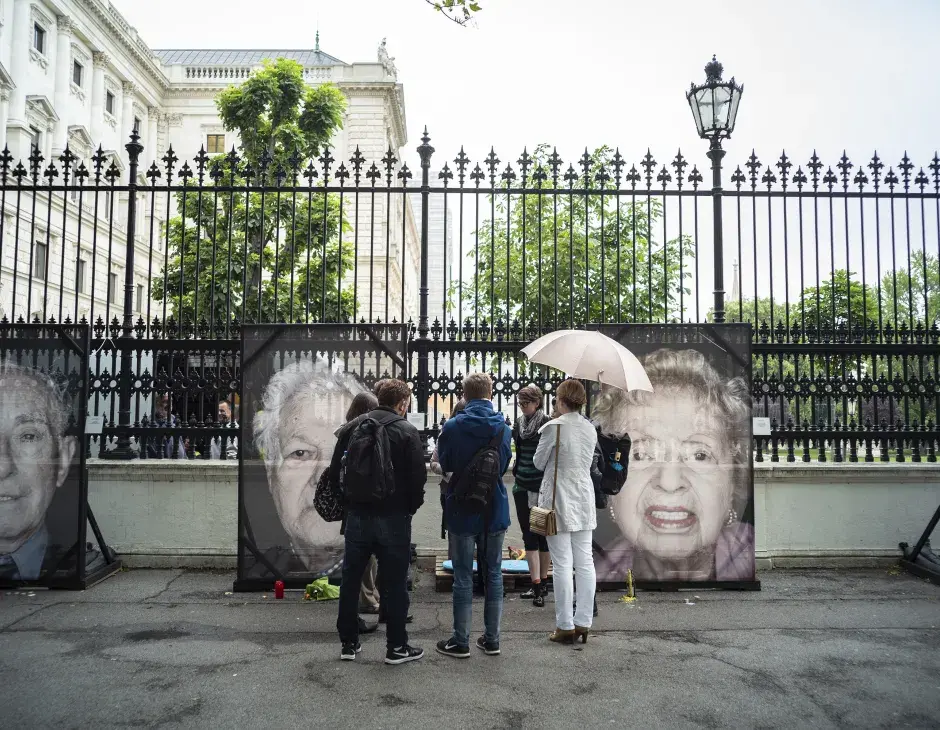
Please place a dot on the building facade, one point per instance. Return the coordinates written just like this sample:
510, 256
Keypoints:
74, 72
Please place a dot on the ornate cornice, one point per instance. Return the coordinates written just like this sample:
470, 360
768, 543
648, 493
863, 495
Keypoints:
79, 53
391, 93
37, 15
111, 20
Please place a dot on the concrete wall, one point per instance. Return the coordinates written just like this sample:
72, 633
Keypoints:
164, 513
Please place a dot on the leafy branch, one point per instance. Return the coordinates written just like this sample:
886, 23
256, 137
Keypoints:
458, 11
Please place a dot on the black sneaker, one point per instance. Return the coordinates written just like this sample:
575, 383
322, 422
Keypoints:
349, 651
449, 647
490, 648
403, 654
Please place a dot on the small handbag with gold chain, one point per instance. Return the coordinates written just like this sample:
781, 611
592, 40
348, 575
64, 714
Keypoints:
543, 521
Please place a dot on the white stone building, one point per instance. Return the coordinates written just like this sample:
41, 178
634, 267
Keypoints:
75, 72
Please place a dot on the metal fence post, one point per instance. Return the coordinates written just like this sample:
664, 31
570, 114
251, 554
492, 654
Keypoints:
715, 153
425, 150
125, 343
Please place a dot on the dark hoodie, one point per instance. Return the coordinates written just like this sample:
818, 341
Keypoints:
407, 455
460, 439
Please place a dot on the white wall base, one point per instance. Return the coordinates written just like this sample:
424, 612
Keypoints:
169, 514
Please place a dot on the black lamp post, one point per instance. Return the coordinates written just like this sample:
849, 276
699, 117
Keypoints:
715, 108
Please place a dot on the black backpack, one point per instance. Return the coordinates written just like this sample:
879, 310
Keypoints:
616, 459
474, 488
367, 474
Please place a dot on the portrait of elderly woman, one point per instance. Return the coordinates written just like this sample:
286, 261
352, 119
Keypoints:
293, 432
681, 514
35, 459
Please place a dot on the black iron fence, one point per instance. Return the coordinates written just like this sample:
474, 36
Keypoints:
837, 267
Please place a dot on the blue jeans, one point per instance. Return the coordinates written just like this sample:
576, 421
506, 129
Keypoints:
388, 537
461, 552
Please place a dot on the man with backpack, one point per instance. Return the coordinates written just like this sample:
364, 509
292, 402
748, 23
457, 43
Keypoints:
379, 465
476, 447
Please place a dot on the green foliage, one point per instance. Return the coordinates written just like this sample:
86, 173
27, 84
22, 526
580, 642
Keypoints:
459, 11
275, 111
908, 300
233, 250
216, 228
825, 307
548, 258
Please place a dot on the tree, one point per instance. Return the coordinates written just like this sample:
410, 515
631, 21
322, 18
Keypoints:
825, 307
907, 299
567, 259
459, 11
840, 300
271, 255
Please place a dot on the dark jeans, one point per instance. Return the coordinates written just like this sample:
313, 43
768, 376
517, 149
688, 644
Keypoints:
388, 537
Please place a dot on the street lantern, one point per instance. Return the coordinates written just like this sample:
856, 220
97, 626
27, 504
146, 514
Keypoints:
715, 108
715, 103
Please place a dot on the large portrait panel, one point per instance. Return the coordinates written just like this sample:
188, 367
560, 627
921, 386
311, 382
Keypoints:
43, 489
686, 512
298, 383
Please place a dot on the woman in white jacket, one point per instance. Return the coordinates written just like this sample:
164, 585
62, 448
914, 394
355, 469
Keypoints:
571, 439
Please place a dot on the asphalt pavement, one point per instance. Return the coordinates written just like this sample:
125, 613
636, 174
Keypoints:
178, 649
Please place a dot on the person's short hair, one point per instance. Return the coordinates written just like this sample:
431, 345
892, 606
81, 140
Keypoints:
571, 394
391, 392
334, 388
459, 407
477, 386
530, 394
361, 404
56, 401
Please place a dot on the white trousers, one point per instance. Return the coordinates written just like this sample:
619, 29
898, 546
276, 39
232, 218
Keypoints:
572, 550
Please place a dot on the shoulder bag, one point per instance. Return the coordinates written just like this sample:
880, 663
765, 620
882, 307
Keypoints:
542, 521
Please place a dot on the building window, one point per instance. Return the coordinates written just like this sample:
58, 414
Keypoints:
106, 213
80, 277
39, 261
113, 288
140, 297
39, 38
109, 103
35, 139
78, 73
215, 144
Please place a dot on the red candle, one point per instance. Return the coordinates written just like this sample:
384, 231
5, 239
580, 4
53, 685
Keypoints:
279, 589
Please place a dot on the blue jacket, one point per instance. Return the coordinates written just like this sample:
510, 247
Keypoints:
460, 439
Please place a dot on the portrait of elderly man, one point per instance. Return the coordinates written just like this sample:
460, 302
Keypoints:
679, 515
35, 458
302, 405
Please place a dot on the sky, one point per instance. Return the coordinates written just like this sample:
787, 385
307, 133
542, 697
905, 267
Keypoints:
828, 75
824, 75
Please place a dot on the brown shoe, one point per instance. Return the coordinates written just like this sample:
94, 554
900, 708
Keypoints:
562, 636
581, 634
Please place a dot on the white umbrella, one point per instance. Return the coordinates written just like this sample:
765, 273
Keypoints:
590, 355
